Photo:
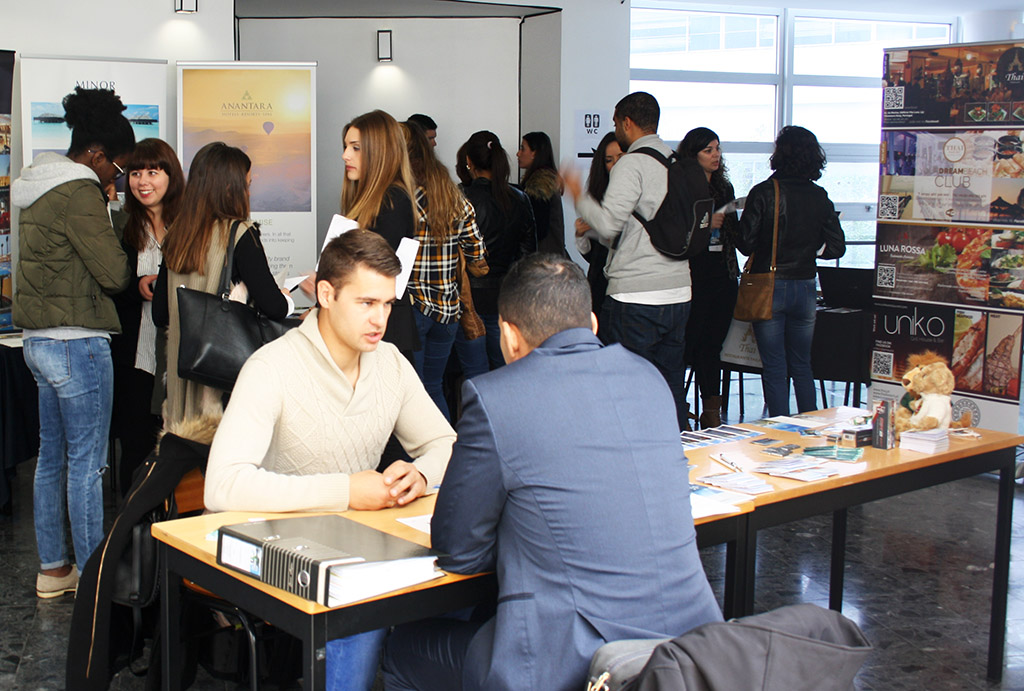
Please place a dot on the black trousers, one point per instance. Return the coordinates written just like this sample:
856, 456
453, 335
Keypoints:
710, 316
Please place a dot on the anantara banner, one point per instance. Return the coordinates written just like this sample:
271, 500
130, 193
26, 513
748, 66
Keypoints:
6, 283
956, 86
268, 111
949, 253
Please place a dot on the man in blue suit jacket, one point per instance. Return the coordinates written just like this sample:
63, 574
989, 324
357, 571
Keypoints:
569, 481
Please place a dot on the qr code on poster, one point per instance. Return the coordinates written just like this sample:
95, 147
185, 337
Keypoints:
885, 276
893, 99
888, 206
881, 364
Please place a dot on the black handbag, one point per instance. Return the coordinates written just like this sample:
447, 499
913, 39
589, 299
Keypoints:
216, 334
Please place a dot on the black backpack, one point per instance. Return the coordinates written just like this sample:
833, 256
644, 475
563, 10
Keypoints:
681, 228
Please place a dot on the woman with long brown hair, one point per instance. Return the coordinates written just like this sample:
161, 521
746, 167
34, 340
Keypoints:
217, 195
156, 184
506, 222
377, 193
447, 224
543, 186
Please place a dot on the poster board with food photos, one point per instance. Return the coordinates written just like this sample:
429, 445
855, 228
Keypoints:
949, 253
6, 249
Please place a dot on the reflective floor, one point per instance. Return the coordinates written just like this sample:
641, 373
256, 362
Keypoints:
918, 582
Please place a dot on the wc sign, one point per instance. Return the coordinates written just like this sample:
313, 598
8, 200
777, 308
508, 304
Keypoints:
590, 126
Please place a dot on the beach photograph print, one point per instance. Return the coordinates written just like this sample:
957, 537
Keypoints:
51, 133
265, 112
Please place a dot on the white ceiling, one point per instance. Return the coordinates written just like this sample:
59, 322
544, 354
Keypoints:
467, 8
381, 8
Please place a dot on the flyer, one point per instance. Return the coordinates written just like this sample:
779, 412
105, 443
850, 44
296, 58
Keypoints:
983, 348
956, 85
953, 176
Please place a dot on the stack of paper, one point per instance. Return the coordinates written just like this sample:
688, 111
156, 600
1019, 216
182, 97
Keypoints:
930, 441
803, 468
738, 482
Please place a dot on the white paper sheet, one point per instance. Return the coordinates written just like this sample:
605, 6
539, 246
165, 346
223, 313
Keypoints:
734, 205
420, 523
339, 225
407, 250
702, 506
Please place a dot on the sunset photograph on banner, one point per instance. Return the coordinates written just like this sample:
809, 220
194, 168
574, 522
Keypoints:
264, 112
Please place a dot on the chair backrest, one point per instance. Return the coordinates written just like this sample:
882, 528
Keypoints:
188, 495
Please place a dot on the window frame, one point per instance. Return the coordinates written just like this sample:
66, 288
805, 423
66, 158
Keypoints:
785, 80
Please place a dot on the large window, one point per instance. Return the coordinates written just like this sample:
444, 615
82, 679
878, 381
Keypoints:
745, 75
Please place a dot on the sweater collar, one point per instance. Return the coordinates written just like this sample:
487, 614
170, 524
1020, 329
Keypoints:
310, 329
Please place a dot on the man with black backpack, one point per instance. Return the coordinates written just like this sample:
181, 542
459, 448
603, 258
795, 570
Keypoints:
648, 274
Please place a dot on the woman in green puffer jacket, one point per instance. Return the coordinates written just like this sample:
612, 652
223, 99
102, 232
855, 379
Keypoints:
69, 265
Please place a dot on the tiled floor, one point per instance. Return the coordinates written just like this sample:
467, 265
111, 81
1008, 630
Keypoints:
918, 582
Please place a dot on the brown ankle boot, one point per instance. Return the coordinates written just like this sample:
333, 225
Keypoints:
712, 413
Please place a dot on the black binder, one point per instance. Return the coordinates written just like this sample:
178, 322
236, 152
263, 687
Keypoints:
328, 559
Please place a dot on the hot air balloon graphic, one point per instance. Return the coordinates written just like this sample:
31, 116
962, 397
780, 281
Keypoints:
268, 127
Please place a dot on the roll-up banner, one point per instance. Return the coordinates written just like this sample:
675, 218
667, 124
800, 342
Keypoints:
949, 262
46, 80
269, 111
6, 282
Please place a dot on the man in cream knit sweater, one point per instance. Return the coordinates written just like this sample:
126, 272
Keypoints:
311, 413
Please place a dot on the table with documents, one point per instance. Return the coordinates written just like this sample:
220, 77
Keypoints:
877, 475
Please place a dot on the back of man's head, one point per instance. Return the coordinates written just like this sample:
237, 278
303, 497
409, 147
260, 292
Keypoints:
424, 121
641, 108
345, 253
544, 294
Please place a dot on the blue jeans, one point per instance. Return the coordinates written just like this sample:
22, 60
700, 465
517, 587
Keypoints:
472, 354
494, 356
76, 390
352, 661
436, 341
784, 342
656, 333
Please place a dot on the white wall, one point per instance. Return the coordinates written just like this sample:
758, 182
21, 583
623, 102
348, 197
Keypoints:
541, 77
992, 26
462, 72
115, 29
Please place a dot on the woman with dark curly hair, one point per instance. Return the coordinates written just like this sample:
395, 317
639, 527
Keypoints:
69, 265
544, 188
808, 230
713, 277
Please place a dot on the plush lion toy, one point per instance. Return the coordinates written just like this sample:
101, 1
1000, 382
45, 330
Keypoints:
927, 403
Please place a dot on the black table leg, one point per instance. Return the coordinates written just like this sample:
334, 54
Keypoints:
170, 611
835, 581
1001, 572
735, 572
314, 653
746, 570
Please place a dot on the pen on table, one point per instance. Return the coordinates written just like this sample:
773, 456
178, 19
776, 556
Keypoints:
727, 464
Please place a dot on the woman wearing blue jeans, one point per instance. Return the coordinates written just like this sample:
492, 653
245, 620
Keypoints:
71, 261
808, 230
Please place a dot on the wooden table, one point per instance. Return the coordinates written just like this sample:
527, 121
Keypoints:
884, 474
186, 551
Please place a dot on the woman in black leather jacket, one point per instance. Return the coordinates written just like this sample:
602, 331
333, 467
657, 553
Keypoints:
506, 221
808, 230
